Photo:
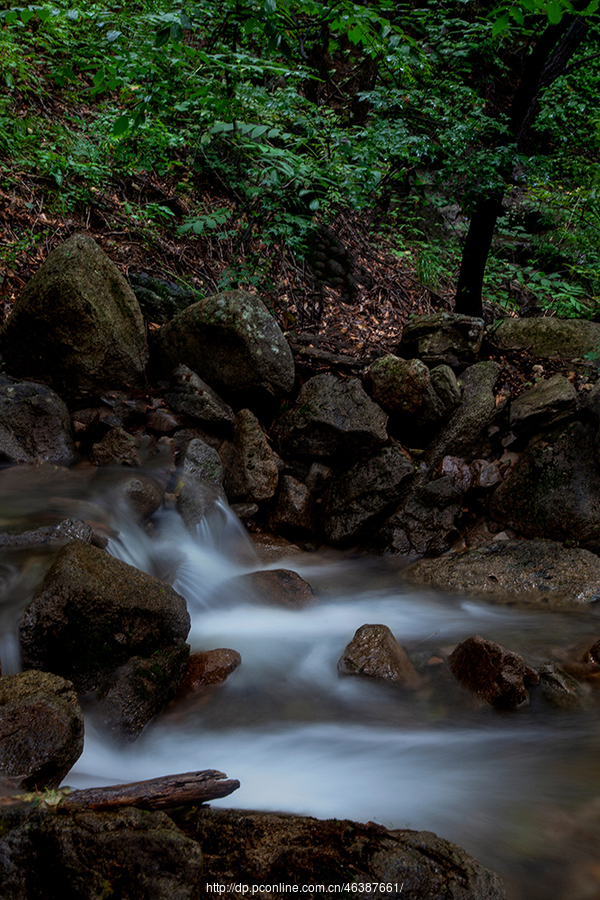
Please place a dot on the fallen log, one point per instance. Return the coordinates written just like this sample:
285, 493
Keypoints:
188, 789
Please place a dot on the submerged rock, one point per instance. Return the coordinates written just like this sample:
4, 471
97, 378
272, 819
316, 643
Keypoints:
539, 573
493, 673
276, 587
77, 324
41, 729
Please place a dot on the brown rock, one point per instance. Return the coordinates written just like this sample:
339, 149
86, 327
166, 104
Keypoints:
276, 587
272, 547
491, 672
117, 448
209, 667
374, 651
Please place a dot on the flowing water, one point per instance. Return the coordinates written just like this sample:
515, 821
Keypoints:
520, 791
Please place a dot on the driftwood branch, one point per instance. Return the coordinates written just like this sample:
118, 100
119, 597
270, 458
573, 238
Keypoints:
191, 788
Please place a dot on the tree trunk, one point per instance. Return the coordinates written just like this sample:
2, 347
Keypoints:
548, 60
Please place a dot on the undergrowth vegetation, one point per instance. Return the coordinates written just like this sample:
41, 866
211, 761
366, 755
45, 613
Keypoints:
263, 118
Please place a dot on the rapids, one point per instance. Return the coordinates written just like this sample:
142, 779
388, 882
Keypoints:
519, 791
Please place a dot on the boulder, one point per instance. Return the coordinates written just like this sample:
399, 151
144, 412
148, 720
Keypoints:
268, 848
442, 338
441, 398
559, 688
399, 385
191, 396
359, 497
117, 448
158, 298
77, 324
271, 548
331, 417
142, 495
375, 652
131, 853
92, 621
553, 490
294, 511
41, 729
34, 423
424, 523
548, 338
464, 434
539, 573
232, 341
492, 673
543, 405
251, 470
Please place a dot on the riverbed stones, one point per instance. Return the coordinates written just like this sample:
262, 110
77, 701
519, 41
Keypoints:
553, 491
275, 587
34, 423
41, 729
536, 573
117, 448
208, 668
332, 417
442, 338
548, 338
130, 853
77, 325
492, 672
543, 405
399, 385
359, 497
193, 397
251, 470
375, 653
202, 482
93, 615
230, 340
465, 433
294, 514
269, 848
559, 688
48, 536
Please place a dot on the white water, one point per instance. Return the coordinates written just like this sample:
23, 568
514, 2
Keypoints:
300, 738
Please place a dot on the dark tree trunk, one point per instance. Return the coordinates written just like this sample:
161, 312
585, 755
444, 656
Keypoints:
546, 62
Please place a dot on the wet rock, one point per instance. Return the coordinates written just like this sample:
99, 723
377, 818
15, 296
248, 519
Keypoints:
543, 405
251, 470
272, 548
41, 729
232, 341
208, 668
374, 651
318, 477
202, 482
442, 338
193, 397
77, 324
541, 574
130, 853
458, 471
492, 673
358, 498
53, 535
294, 512
548, 338
142, 495
117, 448
464, 434
399, 385
331, 417
559, 688
275, 587
425, 521
267, 848
163, 421
485, 474
93, 614
553, 490
34, 423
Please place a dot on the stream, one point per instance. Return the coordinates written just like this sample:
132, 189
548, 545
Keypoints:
520, 791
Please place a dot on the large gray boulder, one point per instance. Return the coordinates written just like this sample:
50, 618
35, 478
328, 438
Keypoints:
541, 574
359, 496
267, 848
553, 490
34, 423
549, 338
232, 341
77, 324
331, 417
41, 729
98, 621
